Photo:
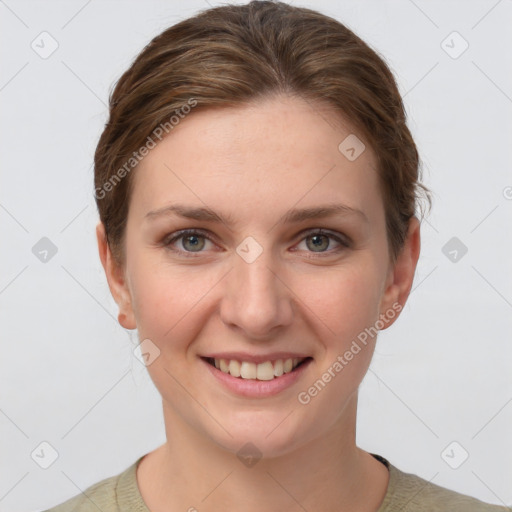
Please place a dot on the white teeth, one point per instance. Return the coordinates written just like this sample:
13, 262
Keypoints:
262, 371
248, 370
278, 368
234, 368
265, 371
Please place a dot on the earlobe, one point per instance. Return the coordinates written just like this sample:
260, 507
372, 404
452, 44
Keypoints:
116, 280
401, 276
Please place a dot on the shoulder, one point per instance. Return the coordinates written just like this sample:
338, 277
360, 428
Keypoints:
104, 495
100, 496
410, 493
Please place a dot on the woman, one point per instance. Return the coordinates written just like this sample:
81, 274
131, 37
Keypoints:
257, 188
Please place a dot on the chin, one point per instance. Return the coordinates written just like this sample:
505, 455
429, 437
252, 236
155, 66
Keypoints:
272, 436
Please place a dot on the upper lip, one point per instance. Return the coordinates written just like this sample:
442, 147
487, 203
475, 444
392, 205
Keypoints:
254, 358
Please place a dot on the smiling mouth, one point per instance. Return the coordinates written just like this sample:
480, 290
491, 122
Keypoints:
268, 370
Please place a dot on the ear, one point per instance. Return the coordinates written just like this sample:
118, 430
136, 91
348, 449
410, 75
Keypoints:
116, 280
400, 276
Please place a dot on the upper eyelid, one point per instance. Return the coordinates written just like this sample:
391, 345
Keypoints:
177, 235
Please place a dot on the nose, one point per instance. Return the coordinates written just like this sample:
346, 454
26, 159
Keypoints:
256, 299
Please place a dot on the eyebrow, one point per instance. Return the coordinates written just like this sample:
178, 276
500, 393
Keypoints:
292, 216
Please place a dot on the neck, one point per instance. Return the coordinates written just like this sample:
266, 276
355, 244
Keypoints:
328, 473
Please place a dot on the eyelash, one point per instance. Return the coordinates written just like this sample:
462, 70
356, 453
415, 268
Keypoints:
197, 232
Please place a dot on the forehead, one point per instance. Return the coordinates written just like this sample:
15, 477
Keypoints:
279, 151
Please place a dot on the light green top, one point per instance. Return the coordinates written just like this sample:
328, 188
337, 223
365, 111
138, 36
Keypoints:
406, 493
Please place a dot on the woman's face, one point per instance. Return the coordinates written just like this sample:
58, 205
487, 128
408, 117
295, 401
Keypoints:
261, 284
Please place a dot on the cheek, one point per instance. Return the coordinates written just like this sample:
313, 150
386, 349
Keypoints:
347, 304
345, 300
167, 301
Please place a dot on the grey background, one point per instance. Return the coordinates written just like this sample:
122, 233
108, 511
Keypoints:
68, 374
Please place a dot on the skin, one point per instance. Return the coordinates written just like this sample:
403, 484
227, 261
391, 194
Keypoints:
255, 163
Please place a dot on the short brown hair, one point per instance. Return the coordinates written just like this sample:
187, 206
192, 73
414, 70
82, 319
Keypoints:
235, 54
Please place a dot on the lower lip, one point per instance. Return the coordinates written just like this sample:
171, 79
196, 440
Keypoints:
254, 388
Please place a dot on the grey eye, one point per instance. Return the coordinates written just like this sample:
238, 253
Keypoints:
196, 242
318, 242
